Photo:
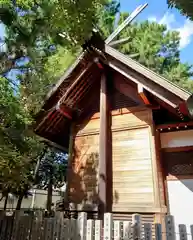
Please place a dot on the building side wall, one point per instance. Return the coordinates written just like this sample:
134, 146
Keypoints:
132, 169
84, 165
133, 153
131, 144
177, 139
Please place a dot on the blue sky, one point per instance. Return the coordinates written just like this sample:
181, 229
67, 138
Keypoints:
2, 31
158, 11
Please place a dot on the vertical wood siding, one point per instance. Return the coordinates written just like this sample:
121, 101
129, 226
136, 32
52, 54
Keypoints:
132, 177
132, 169
83, 183
83, 179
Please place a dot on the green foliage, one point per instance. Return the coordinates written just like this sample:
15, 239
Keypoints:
152, 45
37, 84
44, 19
53, 165
34, 48
107, 17
16, 145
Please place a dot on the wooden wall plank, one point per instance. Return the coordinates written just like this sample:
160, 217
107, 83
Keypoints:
9, 227
57, 225
126, 230
131, 153
90, 229
48, 228
91, 126
15, 229
72, 229
108, 226
3, 235
121, 118
147, 231
22, 228
82, 221
183, 232
135, 119
136, 223
131, 161
98, 230
64, 234
36, 226
170, 228
117, 230
83, 175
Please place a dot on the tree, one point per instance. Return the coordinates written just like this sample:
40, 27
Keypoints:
16, 145
32, 36
185, 7
52, 172
107, 18
157, 48
36, 85
32, 29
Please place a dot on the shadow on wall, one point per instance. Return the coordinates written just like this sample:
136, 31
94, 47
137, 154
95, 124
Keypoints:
84, 180
188, 183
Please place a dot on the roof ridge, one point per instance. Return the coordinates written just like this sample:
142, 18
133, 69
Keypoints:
109, 50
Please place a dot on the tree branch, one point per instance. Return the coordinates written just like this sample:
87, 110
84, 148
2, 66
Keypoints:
1, 198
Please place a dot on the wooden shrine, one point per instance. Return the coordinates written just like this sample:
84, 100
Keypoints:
114, 117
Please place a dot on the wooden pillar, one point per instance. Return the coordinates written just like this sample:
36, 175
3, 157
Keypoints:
158, 178
102, 177
157, 200
69, 167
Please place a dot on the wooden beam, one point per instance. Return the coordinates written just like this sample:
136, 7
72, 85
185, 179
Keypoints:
123, 40
183, 108
102, 184
146, 75
177, 125
128, 20
52, 144
157, 200
65, 111
161, 169
69, 71
122, 86
143, 94
70, 159
148, 85
76, 81
142, 208
178, 149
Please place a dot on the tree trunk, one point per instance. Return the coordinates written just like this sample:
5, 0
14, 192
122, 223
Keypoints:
49, 196
39, 161
6, 200
19, 202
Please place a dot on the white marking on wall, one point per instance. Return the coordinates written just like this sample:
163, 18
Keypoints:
177, 139
180, 193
